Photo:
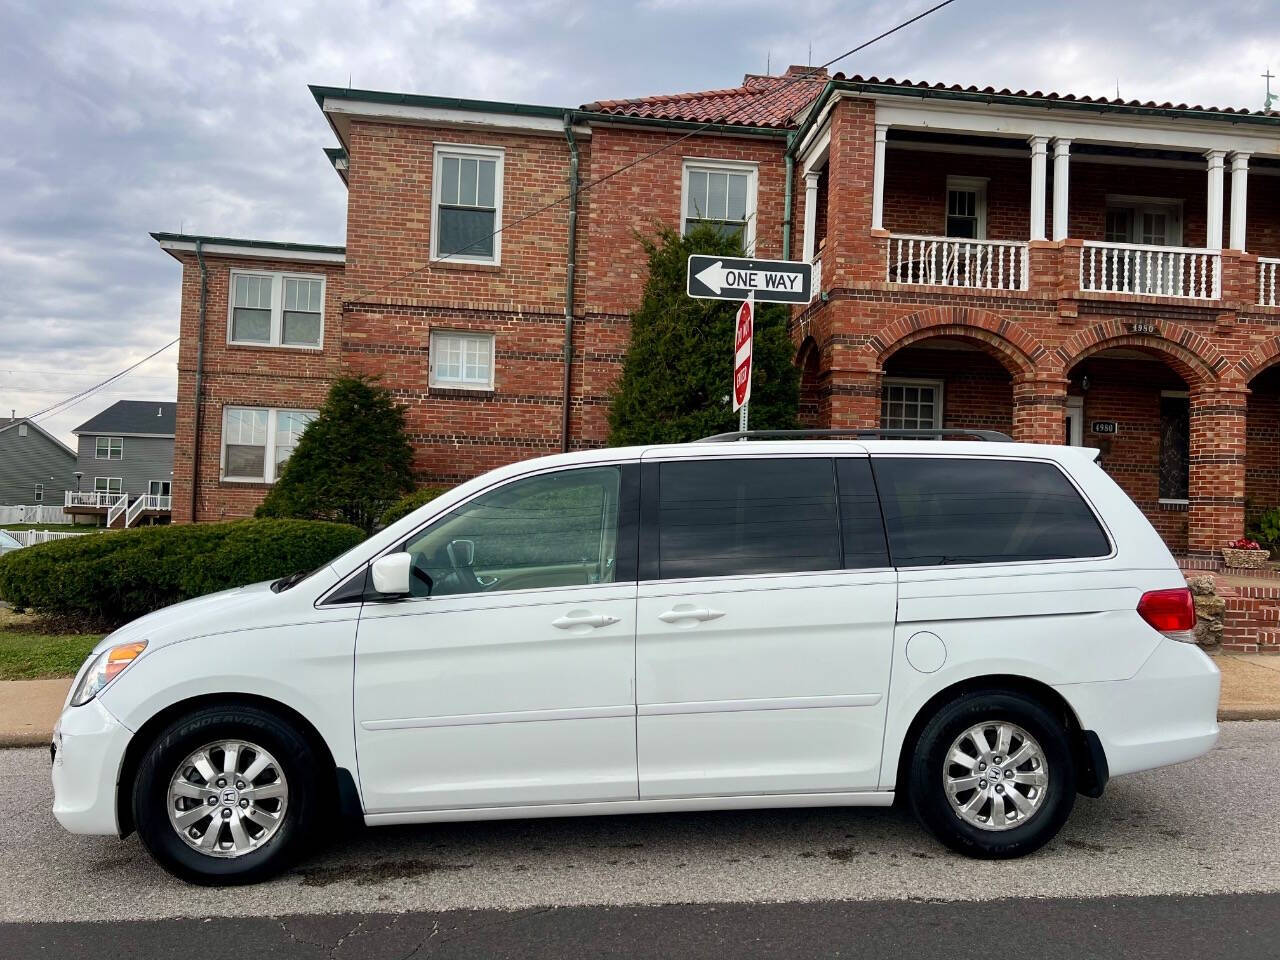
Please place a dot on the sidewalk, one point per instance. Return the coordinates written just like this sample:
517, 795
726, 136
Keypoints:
1250, 691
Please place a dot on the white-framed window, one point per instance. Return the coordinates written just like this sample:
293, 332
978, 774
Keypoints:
109, 448
967, 207
22, 429
1155, 221
160, 488
720, 194
108, 485
911, 404
461, 360
37, 495
258, 441
466, 203
276, 310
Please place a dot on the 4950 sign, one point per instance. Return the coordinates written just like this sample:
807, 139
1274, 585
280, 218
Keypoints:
1151, 329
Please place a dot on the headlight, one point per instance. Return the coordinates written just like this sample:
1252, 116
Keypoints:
108, 665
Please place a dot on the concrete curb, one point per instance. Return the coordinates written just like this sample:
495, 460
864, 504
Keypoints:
37, 738
1249, 712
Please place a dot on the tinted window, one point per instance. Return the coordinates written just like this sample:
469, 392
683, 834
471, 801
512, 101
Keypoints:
722, 518
861, 529
952, 510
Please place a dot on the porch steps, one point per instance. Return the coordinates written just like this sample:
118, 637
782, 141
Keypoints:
1252, 619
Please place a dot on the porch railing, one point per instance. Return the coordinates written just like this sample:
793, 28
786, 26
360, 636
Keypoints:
119, 506
149, 501
955, 262
91, 498
1133, 268
816, 288
1268, 276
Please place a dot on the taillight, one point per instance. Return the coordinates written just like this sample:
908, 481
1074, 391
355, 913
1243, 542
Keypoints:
1172, 612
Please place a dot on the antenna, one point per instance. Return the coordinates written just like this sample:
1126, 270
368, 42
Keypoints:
768, 63
809, 60
1271, 97
1117, 88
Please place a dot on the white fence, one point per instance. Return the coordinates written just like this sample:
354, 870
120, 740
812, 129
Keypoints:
30, 537
952, 262
1187, 272
37, 513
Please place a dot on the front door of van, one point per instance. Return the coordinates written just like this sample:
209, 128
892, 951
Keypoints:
507, 678
764, 627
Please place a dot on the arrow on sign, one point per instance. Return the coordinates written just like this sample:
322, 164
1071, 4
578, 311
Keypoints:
717, 276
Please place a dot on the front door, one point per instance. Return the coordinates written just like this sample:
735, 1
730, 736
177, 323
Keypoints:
1074, 425
507, 678
764, 627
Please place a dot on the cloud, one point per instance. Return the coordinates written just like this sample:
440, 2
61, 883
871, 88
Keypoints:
123, 117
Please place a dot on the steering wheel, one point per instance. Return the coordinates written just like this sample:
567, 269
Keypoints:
467, 580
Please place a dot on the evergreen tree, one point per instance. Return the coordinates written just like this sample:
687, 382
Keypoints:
677, 377
351, 463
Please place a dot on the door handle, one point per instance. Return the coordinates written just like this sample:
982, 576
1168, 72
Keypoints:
684, 612
584, 620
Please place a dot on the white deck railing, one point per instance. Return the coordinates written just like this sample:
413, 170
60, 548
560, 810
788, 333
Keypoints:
118, 506
1134, 268
91, 498
1268, 276
953, 262
149, 501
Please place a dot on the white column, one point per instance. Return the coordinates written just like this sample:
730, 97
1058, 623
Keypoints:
1061, 185
1037, 186
1239, 198
877, 181
810, 215
1213, 219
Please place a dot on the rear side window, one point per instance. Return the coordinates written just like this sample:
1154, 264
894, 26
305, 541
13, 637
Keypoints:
719, 518
952, 510
861, 529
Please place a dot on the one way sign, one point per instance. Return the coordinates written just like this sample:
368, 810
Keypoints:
736, 278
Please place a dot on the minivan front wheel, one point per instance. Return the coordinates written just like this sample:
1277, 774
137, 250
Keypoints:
992, 775
226, 795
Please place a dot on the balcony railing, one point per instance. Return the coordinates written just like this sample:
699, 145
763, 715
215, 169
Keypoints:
1268, 276
149, 501
91, 498
954, 262
1132, 268
816, 286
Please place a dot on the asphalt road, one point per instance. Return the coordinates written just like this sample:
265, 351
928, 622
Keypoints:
1203, 828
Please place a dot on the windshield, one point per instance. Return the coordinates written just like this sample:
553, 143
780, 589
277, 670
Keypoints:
292, 580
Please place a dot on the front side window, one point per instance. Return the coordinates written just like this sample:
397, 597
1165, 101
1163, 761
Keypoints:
257, 441
467, 200
1175, 447
107, 485
462, 360
276, 310
722, 196
949, 510
720, 518
109, 448
548, 531
911, 405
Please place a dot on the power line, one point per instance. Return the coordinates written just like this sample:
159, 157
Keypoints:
785, 81
68, 402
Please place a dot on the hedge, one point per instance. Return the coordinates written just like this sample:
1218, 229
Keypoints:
116, 576
406, 505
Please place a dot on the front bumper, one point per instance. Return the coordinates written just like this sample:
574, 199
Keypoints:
88, 751
1165, 713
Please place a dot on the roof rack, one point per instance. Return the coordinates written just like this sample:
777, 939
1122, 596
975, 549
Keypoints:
859, 434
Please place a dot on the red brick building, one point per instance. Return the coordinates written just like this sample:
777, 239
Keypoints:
1064, 269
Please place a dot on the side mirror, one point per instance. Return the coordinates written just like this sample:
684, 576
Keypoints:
391, 573
462, 553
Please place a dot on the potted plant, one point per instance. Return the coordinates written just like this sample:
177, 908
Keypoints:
1245, 554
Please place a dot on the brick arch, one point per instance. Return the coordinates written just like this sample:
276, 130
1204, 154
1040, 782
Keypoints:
1006, 341
1257, 360
809, 362
1194, 358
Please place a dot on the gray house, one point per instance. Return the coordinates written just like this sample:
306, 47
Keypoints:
125, 464
35, 466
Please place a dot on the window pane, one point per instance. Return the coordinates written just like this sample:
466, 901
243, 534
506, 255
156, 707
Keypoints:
251, 326
909, 407
465, 231
449, 180
103, 446
732, 517
302, 295
557, 530
459, 358
467, 182
697, 201
301, 329
737, 197
245, 461
289, 427
861, 528
487, 185
254, 292
1175, 446
953, 510
716, 196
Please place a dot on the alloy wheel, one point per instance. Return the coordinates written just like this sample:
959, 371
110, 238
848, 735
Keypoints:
995, 776
228, 798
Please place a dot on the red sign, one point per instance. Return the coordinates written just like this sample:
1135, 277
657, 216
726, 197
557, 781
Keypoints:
742, 353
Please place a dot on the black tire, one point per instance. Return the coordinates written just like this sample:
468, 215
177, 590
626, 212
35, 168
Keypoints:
302, 770
928, 797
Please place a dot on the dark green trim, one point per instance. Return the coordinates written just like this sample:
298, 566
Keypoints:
592, 116
335, 154
240, 242
420, 100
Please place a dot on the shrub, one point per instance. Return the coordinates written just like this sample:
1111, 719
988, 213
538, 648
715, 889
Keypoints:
1266, 528
117, 576
406, 505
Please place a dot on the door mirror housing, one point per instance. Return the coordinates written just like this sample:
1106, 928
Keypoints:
391, 573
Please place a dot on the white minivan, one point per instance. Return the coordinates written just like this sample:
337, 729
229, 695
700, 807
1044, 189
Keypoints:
983, 629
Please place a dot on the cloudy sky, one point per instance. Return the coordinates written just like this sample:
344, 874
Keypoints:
124, 117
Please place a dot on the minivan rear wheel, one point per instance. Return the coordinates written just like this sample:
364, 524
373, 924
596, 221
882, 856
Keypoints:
992, 775
227, 795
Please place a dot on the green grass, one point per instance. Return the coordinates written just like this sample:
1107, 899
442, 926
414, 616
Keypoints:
26, 655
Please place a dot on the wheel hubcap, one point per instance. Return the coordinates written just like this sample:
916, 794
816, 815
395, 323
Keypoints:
227, 798
995, 776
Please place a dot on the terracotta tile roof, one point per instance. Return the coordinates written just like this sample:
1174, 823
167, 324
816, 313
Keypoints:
761, 101
1039, 95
